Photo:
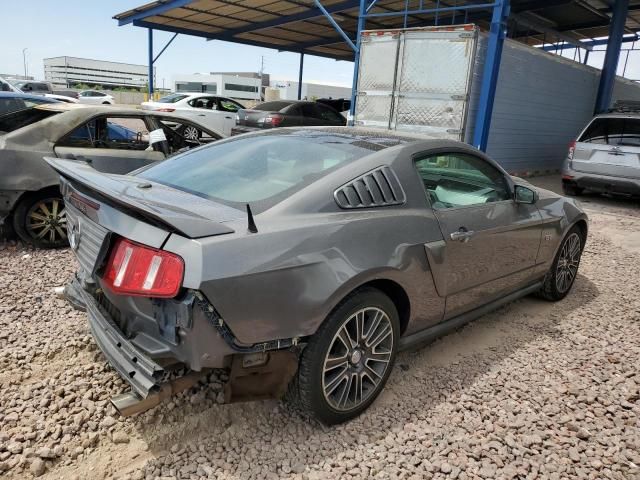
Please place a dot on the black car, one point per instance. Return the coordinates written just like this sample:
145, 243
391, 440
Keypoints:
286, 113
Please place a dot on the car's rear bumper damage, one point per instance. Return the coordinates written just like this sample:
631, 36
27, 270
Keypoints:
256, 371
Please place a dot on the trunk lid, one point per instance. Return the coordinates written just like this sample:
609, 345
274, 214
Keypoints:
610, 160
184, 213
252, 118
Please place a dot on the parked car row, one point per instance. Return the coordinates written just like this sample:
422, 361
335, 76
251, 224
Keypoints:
45, 89
231, 118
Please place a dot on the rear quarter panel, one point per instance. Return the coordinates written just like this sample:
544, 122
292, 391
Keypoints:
283, 281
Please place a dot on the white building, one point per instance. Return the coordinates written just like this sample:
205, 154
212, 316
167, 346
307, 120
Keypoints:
289, 90
66, 72
223, 84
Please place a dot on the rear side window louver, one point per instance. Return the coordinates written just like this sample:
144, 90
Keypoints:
377, 188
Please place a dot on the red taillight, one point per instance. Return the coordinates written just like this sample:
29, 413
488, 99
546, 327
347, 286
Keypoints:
572, 149
274, 119
138, 270
165, 110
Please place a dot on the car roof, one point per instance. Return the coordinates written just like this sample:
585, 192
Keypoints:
73, 114
26, 96
379, 136
194, 94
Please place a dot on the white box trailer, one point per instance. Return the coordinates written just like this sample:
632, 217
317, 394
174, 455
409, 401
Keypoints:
428, 80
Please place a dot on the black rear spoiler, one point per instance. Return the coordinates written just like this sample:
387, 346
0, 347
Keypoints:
177, 211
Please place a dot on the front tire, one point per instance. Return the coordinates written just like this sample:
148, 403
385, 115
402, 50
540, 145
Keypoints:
348, 360
40, 219
563, 272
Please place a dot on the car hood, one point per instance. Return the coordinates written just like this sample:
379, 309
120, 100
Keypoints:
188, 214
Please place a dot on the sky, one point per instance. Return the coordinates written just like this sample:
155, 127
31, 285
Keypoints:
86, 29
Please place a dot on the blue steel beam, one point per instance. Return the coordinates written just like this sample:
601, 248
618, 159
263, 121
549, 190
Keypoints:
150, 74
591, 43
608, 74
336, 26
434, 10
157, 10
253, 43
300, 76
165, 47
497, 33
296, 17
356, 62
371, 5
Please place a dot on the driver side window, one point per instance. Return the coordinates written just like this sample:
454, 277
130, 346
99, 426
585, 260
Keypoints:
453, 180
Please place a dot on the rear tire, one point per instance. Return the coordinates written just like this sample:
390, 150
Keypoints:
572, 190
348, 360
40, 219
563, 272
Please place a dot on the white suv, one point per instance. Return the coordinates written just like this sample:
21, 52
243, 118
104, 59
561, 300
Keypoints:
605, 157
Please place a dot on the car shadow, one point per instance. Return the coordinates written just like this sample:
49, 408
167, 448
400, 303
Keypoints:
422, 381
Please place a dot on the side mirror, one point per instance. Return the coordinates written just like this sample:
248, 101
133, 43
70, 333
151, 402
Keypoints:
525, 195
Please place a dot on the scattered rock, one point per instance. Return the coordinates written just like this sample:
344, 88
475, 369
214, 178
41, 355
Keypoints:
37, 467
119, 437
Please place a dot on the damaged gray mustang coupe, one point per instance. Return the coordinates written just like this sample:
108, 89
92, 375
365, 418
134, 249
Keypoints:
303, 260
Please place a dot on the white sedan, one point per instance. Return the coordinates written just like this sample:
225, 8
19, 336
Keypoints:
217, 113
95, 97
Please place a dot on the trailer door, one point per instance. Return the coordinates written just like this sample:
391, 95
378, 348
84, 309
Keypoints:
376, 79
433, 81
416, 79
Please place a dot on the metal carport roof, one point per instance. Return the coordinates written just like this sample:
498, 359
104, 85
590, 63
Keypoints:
300, 26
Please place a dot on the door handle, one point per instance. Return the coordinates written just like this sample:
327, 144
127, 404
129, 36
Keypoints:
463, 235
228, 118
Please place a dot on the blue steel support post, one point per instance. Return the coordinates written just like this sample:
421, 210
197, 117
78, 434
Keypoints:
608, 74
300, 76
150, 75
490, 74
356, 62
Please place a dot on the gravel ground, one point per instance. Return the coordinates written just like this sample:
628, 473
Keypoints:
534, 390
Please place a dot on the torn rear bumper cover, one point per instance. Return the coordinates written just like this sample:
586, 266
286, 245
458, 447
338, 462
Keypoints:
141, 372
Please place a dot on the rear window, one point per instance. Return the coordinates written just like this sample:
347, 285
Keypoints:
272, 106
172, 98
613, 131
259, 170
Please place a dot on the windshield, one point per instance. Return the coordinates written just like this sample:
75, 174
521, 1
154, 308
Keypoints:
260, 170
173, 98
